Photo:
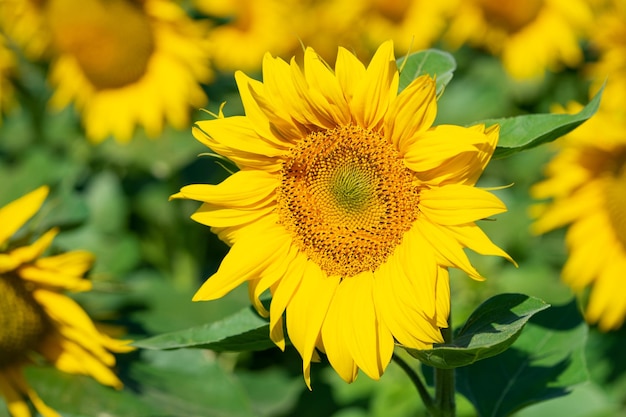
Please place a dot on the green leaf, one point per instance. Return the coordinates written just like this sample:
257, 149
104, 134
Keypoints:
433, 62
490, 330
524, 132
81, 396
190, 383
243, 331
545, 362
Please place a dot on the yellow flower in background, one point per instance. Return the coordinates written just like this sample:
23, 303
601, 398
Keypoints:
122, 63
7, 70
22, 22
37, 320
349, 206
529, 36
586, 181
249, 28
412, 24
609, 43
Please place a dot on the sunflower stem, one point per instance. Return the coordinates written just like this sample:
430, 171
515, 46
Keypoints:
421, 388
445, 384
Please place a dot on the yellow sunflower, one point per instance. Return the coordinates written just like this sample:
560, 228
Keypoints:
249, 29
349, 206
22, 22
609, 43
125, 63
529, 36
37, 320
412, 24
586, 181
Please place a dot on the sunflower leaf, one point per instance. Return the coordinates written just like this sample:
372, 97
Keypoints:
242, 331
433, 62
527, 131
489, 330
545, 362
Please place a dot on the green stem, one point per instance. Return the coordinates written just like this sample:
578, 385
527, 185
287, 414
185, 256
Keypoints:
421, 388
445, 383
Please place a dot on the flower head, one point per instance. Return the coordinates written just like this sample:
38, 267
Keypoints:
586, 182
530, 36
123, 63
349, 206
37, 319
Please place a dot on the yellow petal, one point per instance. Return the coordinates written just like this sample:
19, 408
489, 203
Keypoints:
451, 154
411, 113
15, 402
306, 312
333, 336
397, 303
250, 255
268, 277
472, 237
247, 188
376, 89
456, 204
282, 294
443, 298
349, 72
15, 214
325, 91
29, 253
447, 248
219, 216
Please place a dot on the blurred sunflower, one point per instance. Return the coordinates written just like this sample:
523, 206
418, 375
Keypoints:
529, 36
586, 181
609, 43
349, 206
123, 63
7, 70
412, 24
22, 22
247, 29
37, 319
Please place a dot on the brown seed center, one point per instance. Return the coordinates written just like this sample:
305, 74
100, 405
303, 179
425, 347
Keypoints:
347, 198
111, 40
23, 323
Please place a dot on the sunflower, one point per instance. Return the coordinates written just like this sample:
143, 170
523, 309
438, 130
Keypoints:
124, 63
586, 182
413, 25
529, 36
249, 28
609, 43
349, 206
37, 320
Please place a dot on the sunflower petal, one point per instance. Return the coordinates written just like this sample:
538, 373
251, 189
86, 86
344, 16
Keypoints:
250, 255
15, 214
306, 312
456, 204
376, 89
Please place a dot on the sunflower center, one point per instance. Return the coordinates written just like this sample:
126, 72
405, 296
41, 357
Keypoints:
23, 323
347, 198
616, 205
511, 15
111, 40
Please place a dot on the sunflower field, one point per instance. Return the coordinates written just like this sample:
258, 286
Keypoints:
313, 208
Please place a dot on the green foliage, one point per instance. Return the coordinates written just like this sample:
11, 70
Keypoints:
490, 330
545, 362
434, 62
242, 331
524, 132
